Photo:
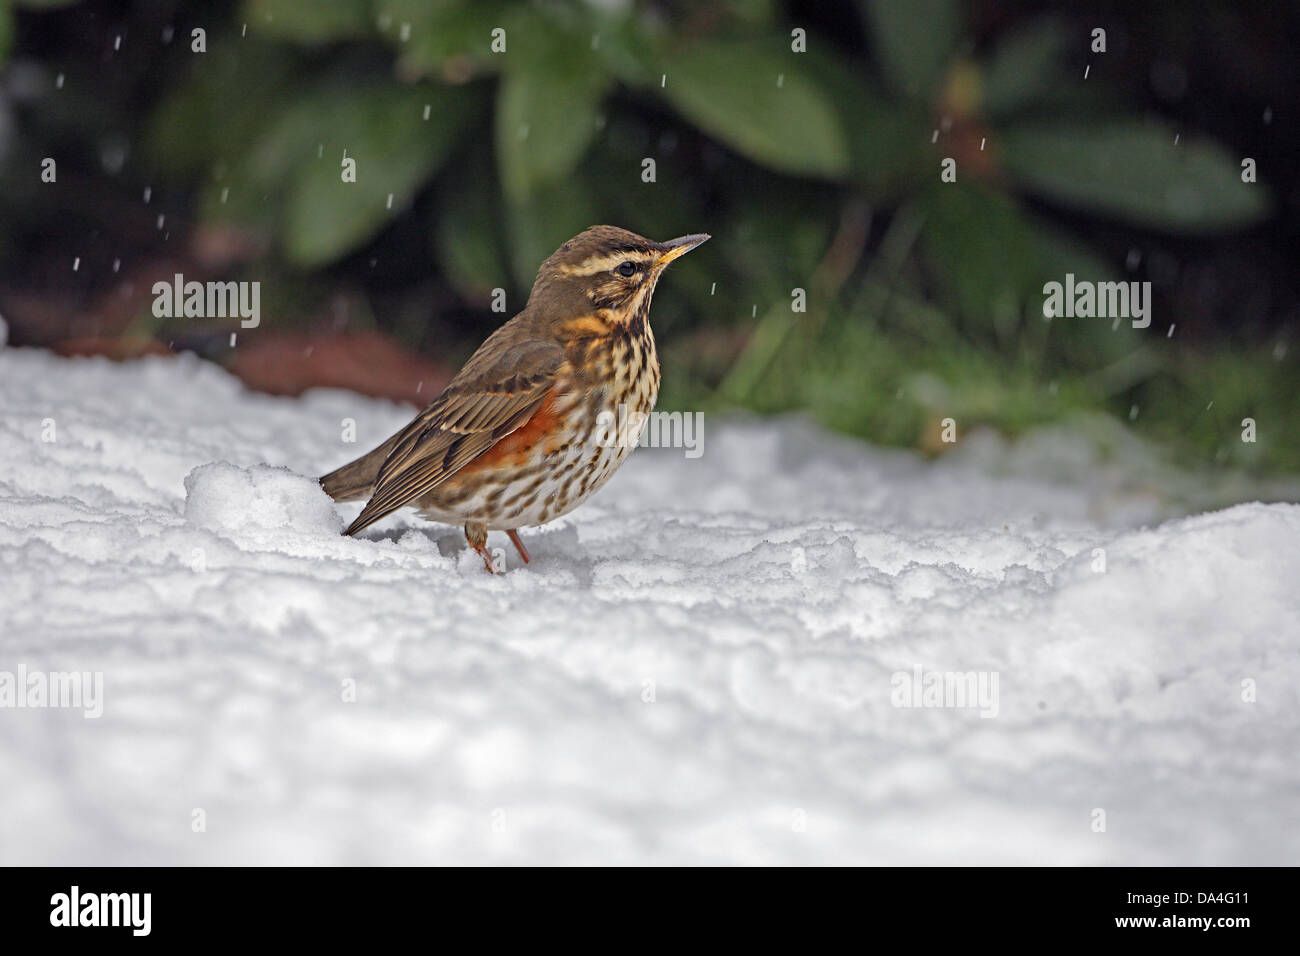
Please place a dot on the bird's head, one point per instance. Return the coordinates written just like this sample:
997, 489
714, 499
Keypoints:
606, 271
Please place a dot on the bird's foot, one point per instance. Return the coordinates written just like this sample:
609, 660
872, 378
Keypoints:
487, 560
519, 545
476, 535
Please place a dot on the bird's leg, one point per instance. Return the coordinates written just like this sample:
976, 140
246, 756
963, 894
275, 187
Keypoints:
476, 535
519, 545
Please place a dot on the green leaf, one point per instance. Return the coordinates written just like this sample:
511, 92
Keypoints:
308, 21
625, 43
730, 90
547, 112
449, 39
991, 260
1133, 170
251, 191
6, 30
884, 134
1024, 67
914, 40
549, 216
469, 236
382, 129
220, 108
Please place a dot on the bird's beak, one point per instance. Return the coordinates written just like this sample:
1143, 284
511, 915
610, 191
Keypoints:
674, 248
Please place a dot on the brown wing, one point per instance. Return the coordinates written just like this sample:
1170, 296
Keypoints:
499, 389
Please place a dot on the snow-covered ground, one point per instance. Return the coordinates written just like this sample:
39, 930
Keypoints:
703, 664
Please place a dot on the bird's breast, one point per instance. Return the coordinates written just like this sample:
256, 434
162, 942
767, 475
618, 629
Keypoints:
619, 369
569, 448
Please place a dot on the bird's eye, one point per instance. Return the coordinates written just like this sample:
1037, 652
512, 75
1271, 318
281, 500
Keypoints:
627, 269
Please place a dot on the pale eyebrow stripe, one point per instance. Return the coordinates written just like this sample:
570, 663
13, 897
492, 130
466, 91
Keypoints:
599, 264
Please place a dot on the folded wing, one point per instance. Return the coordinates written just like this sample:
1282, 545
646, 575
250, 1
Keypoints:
497, 391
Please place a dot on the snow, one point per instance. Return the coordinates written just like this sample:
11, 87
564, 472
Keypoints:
236, 502
701, 665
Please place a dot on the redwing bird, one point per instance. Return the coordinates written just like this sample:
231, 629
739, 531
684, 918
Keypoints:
521, 435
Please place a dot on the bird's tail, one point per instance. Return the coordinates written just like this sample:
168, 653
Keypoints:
356, 479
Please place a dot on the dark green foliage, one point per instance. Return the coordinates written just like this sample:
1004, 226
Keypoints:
815, 170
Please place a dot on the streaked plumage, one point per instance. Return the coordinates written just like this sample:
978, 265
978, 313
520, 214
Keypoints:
514, 440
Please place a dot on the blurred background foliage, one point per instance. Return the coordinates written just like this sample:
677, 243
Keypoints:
807, 137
